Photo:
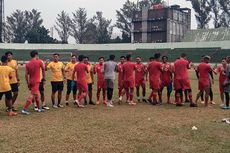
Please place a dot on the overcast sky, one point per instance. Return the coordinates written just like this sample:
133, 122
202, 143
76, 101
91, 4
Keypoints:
50, 8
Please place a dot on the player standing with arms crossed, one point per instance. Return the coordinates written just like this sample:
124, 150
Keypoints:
32, 75
167, 76
57, 79
99, 70
140, 78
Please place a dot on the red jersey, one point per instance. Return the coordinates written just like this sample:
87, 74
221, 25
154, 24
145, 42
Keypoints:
154, 69
139, 71
99, 70
167, 70
128, 71
33, 69
204, 70
222, 75
80, 69
181, 69
120, 72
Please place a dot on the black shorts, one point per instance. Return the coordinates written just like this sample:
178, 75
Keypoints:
69, 87
57, 86
8, 95
90, 87
14, 87
41, 87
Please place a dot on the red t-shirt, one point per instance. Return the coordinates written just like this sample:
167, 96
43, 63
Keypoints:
154, 69
81, 70
181, 69
204, 70
128, 71
33, 68
139, 72
167, 70
221, 71
120, 72
99, 69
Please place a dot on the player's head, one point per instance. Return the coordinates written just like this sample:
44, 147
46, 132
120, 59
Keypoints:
228, 59
157, 56
81, 58
56, 57
4, 59
151, 59
207, 59
223, 61
74, 58
101, 60
9, 55
86, 60
111, 57
122, 59
182, 55
138, 59
129, 57
164, 59
34, 54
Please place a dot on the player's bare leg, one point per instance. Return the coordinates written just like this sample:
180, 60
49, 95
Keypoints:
104, 96
131, 97
59, 99
98, 96
143, 93
138, 93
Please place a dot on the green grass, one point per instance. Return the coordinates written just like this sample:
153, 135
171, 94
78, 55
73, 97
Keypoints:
141, 129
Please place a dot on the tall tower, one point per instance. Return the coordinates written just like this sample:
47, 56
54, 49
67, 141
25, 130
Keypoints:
1, 19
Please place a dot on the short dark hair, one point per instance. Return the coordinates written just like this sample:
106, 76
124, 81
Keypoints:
56, 54
81, 57
182, 55
33, 53
4, 59
157, 55
128, 56
74, 55
101, 58
7, 53
122, 57
111, 57
151, 58
165, 57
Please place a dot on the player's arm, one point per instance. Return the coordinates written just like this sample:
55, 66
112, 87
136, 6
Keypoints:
17, 75
42, 66
73, 75
27, 78
86, 69
63, 72
47, 65
91, 74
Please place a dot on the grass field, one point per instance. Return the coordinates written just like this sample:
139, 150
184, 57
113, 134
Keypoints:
122, 129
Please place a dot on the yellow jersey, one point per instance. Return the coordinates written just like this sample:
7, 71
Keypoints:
69, 69
13, 64
56, 71
88, 75
5, 73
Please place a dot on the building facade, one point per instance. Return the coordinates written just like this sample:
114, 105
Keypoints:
160, 24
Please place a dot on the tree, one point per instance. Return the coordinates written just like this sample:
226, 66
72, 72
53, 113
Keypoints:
225, 15
215, 7
63, 26
104, 28
39, 35
20, 23
17, 26
90, 34
202, 12
79, 23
